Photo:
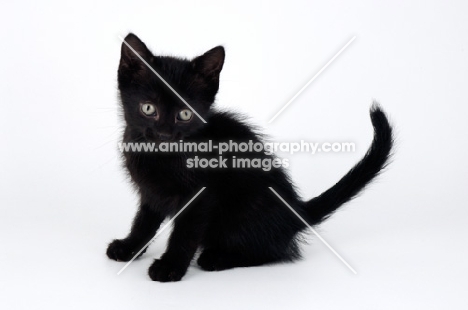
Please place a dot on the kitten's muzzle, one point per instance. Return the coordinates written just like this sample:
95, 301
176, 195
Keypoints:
164, 137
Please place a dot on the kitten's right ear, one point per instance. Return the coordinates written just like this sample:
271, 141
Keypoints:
128, 57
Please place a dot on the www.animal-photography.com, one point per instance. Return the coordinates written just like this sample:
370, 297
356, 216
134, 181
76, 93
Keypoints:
234, 155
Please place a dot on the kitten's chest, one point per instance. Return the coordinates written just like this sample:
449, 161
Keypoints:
164, 172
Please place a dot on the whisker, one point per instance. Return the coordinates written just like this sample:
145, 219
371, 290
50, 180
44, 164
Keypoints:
105, 163
112, 140
105, 127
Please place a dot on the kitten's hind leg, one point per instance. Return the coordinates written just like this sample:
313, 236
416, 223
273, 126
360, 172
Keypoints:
213, 260
217, 260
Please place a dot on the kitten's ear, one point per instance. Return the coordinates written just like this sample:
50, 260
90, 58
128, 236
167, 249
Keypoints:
210, 64
128, 58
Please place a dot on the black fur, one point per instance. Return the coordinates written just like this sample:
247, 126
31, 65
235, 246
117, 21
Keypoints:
237, 221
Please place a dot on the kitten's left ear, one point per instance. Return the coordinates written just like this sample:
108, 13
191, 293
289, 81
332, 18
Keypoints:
210, 64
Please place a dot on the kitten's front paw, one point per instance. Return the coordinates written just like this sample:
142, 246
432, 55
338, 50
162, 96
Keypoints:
122, 250
164, 271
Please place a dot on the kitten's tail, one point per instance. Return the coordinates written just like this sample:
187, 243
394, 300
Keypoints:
376, 159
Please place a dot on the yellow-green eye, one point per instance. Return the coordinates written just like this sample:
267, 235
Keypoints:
184, 115
148, 109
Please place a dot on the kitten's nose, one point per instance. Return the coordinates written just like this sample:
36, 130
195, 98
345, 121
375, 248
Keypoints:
165, 137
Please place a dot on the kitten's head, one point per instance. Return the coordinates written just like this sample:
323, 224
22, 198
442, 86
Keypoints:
151, 108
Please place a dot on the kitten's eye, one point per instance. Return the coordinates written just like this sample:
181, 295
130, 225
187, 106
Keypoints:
148, 109
184, 115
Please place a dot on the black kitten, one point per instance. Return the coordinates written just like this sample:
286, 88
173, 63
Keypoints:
237, 221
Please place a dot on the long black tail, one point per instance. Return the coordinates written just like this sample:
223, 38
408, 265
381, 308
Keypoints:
376, 158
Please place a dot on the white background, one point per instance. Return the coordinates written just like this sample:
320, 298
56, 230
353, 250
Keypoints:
64, 195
